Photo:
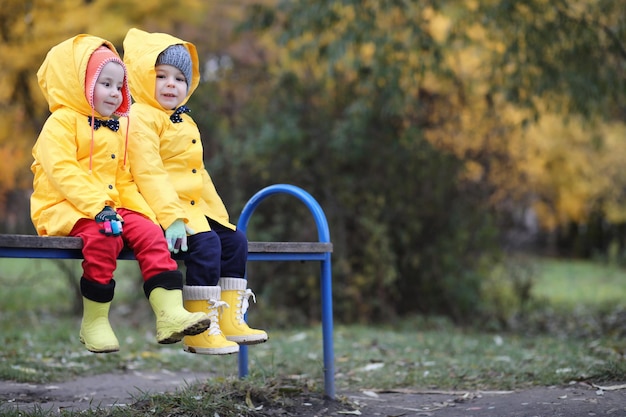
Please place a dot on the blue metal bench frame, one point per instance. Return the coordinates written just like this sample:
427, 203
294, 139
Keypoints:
32, 246
326, 276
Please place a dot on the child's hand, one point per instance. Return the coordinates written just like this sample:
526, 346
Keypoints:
176, 236
110, 222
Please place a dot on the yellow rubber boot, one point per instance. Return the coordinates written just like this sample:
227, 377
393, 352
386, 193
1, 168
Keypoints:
95, 330
173, 322
236, 294
212, 341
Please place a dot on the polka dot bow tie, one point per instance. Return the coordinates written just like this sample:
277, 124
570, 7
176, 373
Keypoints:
175, 117
112, 124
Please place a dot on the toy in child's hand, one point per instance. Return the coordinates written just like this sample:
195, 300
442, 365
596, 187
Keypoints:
110, 222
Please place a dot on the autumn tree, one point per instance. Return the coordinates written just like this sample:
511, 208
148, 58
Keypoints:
554, 73
418, 124
344, 111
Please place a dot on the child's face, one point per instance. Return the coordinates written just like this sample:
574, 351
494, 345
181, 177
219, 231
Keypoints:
171, 86
107, 94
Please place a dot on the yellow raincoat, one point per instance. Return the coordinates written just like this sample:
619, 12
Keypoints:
167, 158
64, 189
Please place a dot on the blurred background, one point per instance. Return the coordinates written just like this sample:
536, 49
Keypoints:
453, 144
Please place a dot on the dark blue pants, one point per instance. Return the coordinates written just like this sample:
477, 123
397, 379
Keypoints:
221, 252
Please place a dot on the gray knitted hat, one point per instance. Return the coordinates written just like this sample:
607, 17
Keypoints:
177, 56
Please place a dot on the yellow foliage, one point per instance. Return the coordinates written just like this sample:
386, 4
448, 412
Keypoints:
472, 5
477, 33
439, 27
572, 167
567, 167
367, 52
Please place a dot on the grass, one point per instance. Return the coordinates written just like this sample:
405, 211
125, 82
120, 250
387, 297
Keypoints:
366, 357
40, 344
574, 282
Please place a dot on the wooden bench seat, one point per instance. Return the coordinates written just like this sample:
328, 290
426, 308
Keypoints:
57, 247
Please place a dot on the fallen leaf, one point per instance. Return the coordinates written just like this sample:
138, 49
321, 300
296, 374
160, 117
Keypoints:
372, 366
610, 387
298, 337
24, 369
249, 401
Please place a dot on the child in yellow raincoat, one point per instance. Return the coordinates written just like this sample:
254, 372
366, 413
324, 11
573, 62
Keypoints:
166, 154
83, 187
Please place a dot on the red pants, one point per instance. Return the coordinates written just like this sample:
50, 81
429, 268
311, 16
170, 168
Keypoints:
139, 233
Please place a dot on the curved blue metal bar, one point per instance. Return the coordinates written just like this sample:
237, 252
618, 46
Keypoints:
305, 197
325, 270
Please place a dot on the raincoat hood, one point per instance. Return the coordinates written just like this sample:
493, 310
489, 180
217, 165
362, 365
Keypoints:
141, 50
62, 75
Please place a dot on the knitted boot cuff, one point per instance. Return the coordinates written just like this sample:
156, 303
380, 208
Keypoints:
230, 284
197, 292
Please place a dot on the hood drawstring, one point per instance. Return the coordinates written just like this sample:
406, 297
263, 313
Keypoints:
126, 139
91, 123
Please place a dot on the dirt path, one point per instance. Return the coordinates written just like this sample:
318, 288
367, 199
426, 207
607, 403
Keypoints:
98, 391
116, 390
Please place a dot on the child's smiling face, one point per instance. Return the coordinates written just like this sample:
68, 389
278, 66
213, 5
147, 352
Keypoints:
171, 87
107, 93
